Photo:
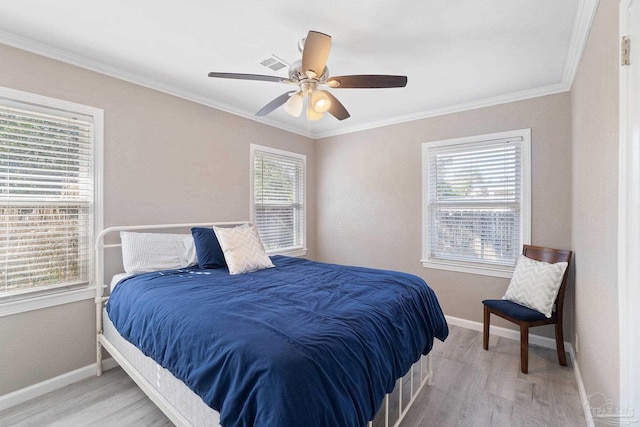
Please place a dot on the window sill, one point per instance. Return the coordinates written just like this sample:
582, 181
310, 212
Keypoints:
295, 252
9, 307
484, 270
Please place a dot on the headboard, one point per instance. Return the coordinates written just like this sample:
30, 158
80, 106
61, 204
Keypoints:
109, 239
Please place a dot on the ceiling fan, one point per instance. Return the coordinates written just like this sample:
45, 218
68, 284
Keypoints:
309, 74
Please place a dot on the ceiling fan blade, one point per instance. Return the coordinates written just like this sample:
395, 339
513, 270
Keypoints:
315, 53
367, 81
336, 109
259, 77
275, 104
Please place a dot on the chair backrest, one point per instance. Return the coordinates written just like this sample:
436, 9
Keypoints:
551, 256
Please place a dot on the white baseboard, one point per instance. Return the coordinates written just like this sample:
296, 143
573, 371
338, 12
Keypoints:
31, 392
583, 393
36, 390
511, 334
536, 340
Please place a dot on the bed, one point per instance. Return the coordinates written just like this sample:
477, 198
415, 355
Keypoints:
302, 343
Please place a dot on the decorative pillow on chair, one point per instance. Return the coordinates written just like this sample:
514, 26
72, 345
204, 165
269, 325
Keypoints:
243, 249
535, 284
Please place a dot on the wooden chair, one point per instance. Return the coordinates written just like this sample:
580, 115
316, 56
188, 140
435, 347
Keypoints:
526, 317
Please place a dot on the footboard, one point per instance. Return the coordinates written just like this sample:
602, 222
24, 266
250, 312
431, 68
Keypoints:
397, 403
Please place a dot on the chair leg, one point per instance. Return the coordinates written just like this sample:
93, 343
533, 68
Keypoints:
562, 356
524, 348
485, 334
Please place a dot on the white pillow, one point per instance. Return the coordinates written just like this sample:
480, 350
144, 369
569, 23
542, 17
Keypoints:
242, 248
535, 284
145, 252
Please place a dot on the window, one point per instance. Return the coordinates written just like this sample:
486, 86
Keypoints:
278, 199
476, 202
49, 208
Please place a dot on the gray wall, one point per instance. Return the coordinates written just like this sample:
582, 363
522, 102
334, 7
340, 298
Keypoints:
166, 160
595, 127
369, 185
195, 168
371, 190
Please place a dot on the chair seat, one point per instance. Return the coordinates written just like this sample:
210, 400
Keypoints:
512, 309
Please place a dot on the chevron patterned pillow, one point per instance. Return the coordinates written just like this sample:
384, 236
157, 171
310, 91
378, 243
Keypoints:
242, 248
535, 284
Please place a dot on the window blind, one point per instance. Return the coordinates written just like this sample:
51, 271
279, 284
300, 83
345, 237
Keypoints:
279, 199
474, 202
46, 198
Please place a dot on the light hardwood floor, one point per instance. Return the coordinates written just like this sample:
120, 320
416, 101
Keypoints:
471, 387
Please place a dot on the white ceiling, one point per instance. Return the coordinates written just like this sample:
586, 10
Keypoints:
457, 54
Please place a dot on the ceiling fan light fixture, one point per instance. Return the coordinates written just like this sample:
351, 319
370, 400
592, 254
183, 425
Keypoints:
309, 73
313, 115
294, 104
320, 101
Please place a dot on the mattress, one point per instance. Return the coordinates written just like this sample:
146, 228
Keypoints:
175, 391
117, 278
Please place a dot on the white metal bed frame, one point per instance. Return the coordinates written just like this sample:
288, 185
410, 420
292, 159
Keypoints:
425, 375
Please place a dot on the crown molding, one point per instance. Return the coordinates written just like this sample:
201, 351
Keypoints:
585, 15
115, 72
467, 106
582, 24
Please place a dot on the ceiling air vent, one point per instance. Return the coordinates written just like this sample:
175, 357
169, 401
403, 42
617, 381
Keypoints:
274, 63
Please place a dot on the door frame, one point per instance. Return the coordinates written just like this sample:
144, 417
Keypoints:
629, 206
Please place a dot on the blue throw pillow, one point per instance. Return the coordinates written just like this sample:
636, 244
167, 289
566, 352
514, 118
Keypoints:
209, 252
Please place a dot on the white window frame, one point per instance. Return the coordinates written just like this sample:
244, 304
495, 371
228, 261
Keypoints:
42, 298
297, 250
487, 269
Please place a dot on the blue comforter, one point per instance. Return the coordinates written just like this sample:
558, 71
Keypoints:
303, 344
